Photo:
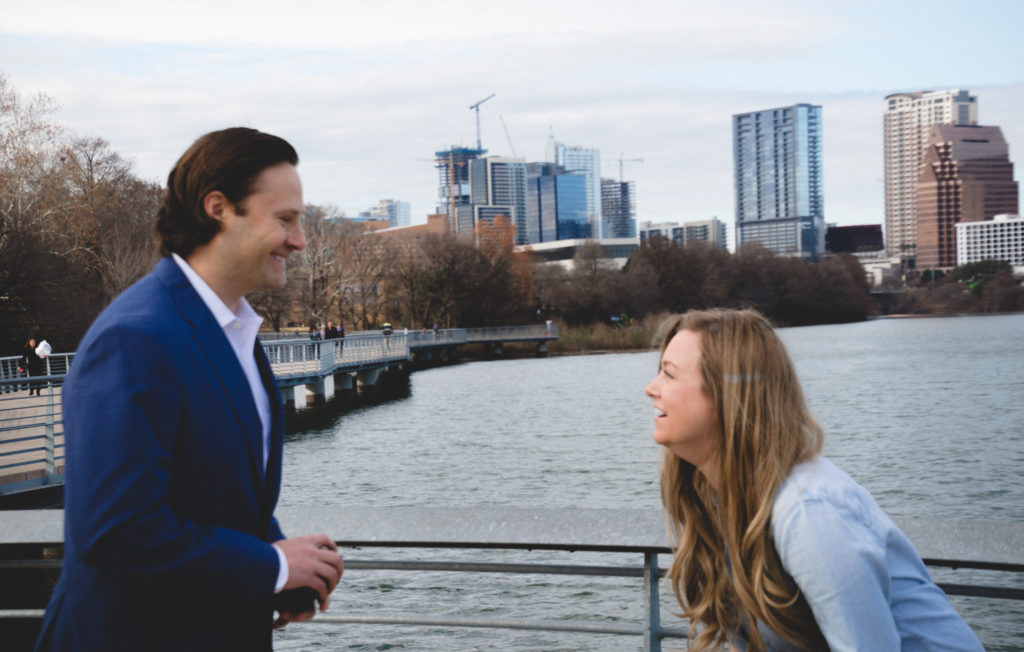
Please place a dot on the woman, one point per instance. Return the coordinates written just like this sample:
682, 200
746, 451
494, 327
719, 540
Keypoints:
768, 531
33, 366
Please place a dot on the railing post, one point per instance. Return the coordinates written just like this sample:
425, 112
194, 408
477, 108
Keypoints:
652, 610
327, 361
51, 470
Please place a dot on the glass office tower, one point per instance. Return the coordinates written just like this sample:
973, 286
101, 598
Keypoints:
778, 180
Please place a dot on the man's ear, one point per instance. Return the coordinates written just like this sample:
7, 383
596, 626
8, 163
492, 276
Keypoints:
215, 203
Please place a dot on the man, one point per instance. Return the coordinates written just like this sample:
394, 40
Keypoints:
174, 426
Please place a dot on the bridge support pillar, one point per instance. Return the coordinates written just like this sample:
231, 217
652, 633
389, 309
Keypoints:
295, 398
343, 383
323, 390
368, 377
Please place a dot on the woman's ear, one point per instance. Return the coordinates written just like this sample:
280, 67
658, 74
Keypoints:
215, 203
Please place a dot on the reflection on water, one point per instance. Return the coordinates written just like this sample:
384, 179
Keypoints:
926, 413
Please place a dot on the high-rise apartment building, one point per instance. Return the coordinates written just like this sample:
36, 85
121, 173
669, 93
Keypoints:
778, 179
587, 162
966, 176
556, 204
618, 209
908, 119
497, 186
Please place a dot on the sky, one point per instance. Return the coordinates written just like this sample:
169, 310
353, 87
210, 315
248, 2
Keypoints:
367, 92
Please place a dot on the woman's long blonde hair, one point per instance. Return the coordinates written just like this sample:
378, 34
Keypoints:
764, 430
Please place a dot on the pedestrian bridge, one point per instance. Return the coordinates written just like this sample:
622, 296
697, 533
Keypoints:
32, 428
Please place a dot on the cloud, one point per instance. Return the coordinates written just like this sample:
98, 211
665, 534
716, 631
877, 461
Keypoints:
369, 91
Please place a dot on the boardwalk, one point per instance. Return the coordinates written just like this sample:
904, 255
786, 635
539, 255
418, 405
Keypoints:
300, 366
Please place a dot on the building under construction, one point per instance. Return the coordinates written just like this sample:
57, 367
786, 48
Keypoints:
453, 190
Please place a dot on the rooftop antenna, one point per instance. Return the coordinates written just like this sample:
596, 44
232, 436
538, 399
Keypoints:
476, 107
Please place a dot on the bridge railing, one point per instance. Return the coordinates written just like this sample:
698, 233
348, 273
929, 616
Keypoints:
302, 358
638, 537
512, 333
438, 338
31, 433
53, 365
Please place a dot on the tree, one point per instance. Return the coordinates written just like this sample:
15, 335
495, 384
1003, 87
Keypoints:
319, 270
363, 261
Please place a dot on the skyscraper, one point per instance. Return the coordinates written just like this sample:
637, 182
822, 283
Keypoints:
498, 187
618, 208
908, 119
966, 176
587, 162
556, 204
777, 169
453, 187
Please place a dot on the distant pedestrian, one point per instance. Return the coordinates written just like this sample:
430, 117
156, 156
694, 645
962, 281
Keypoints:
332, 331
33, 364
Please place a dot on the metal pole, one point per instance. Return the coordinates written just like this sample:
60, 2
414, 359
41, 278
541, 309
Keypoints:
652, 610
51, 470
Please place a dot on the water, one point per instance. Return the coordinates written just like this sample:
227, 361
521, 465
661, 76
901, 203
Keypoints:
925, 413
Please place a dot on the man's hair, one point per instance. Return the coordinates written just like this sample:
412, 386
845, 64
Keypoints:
764, 430
229, 161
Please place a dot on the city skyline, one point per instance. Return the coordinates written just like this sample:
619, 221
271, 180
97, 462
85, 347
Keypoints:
367, 95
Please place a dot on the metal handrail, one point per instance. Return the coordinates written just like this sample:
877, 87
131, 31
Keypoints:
958, 544
31, 432
297, 355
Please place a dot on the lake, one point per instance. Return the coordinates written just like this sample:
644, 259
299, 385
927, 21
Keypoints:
926, 413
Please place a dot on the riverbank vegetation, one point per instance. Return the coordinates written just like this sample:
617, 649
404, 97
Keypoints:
76, 228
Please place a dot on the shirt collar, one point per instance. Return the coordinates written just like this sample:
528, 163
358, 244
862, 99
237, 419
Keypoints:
220, 310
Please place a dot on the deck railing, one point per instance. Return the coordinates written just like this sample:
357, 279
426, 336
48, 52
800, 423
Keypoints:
635, 534
31, 433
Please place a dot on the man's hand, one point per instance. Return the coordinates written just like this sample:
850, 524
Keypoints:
313, 563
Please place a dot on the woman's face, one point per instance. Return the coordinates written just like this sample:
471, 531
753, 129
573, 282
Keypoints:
684, 419
32, 342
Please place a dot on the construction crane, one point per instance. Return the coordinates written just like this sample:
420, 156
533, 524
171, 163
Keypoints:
508, 137
476, 107
622, 159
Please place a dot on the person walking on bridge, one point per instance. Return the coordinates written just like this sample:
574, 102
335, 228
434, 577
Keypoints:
33, 365
174, 429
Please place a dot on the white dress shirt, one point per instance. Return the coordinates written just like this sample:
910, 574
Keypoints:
241, 327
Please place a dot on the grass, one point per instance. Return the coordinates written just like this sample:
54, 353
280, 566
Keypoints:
597, 338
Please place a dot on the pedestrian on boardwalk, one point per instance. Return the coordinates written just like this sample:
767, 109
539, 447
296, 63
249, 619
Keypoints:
33, 364
174, 429
776, 548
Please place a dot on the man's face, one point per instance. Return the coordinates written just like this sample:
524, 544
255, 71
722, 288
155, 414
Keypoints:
256, 243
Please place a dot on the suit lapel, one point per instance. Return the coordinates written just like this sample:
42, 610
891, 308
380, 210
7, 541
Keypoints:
210, 339
272, 483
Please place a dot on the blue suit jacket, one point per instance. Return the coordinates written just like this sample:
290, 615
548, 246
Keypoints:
168, 509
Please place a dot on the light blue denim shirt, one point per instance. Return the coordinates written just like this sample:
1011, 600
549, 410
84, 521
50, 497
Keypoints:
865, 583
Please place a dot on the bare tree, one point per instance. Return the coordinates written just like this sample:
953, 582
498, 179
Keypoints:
319, 269
364, 263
